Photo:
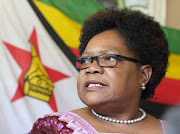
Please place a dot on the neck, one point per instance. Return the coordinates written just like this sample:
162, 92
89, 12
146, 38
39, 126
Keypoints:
129, 121
122, 112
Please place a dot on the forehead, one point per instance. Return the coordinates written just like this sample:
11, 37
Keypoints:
106, 42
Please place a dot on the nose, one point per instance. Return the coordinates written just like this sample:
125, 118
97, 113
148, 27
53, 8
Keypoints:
94, 68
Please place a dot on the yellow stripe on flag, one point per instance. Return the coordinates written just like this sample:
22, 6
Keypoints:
67, 29
174, 69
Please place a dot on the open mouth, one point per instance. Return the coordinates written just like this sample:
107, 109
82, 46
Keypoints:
95, 84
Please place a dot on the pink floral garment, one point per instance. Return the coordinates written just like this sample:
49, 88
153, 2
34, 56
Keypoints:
65, 123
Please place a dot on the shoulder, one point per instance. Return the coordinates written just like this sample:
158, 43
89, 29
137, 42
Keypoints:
154, 125
56, 123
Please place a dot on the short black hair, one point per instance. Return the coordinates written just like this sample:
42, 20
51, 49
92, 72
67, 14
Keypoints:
143, 36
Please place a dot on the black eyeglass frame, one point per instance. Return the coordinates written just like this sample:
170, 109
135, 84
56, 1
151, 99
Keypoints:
117, 56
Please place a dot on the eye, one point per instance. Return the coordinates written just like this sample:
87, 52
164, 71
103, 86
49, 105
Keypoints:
109, 58
84, 60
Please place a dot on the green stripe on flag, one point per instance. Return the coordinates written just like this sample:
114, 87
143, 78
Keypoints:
77, 10
173, 36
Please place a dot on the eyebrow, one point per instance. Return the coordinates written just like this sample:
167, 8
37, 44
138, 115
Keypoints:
103, 51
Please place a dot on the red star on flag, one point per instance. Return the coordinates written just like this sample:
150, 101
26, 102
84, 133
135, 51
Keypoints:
23, 59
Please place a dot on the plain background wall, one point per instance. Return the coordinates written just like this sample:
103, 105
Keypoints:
173, 14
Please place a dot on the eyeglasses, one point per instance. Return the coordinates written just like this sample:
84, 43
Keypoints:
104, 60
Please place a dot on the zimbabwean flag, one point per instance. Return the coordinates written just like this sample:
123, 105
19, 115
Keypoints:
38, 43
63, 20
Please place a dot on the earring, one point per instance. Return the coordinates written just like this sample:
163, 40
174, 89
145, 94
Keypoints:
143, 86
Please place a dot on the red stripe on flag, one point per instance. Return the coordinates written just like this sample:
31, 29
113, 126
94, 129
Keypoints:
168, 92
75, 51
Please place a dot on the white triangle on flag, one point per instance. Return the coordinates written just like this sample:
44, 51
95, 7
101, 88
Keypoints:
17, 23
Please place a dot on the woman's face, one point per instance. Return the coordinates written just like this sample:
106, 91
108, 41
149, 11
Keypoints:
109, 85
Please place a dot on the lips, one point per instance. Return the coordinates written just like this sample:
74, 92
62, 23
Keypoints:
94, 83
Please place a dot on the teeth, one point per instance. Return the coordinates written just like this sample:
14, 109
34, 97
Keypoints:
95, 85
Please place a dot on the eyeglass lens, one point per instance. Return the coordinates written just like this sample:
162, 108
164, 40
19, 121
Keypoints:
102, 60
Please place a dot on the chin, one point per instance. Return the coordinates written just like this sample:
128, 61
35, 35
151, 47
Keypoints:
91, 101
94, 102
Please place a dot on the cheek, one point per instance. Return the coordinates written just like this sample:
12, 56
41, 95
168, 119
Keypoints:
79, 81
118, 80
123, 79
116, 76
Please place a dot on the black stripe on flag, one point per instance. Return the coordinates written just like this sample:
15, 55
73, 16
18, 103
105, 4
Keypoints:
53, 34
154, 108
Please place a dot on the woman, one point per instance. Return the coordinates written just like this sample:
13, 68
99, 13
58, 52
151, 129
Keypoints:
124, 56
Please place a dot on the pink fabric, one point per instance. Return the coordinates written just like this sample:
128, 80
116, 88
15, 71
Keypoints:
67, 123
164, 126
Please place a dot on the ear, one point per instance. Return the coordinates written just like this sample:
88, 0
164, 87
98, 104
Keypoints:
146, 72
